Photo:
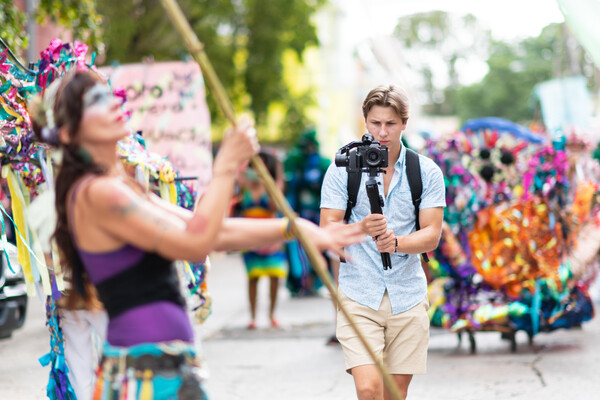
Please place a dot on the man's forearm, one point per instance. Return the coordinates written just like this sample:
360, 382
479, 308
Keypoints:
421, 241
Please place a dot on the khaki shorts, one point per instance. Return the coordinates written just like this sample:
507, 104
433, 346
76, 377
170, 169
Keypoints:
401, 338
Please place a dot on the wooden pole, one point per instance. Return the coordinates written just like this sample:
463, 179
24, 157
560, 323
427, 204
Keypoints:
196, 48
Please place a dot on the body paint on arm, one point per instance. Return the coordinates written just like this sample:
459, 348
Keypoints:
197, 224
126, 207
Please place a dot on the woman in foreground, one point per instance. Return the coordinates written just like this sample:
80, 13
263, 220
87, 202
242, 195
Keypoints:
118, 241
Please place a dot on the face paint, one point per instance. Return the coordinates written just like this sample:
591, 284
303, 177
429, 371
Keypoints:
251, 175
98, 96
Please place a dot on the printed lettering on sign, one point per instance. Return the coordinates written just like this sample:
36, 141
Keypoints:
167, 102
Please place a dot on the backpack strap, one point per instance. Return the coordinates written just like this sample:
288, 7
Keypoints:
353, 185
413, 173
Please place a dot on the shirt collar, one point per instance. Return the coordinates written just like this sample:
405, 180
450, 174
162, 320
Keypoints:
398, 170
400, 162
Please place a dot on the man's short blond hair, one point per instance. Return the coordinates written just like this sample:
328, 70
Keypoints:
387, 96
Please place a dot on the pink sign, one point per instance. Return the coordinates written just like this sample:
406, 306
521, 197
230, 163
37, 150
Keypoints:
167, 101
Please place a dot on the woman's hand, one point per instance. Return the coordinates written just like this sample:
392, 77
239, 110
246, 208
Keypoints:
333, 237
239, 145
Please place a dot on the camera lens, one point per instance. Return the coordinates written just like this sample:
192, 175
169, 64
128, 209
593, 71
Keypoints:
341, 160
373, 157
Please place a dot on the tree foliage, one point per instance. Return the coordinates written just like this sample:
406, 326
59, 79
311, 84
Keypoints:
244, 40
505, 90
438, 41
12, 24
515, 69
79, 16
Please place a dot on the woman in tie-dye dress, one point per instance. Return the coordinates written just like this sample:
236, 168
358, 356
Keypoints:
269, 261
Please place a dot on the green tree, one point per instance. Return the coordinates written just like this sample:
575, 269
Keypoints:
79, 16
12, 25
439, 36
244, 39
514, 70
504, 92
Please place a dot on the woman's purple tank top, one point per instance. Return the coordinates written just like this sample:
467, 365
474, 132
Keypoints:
158, 321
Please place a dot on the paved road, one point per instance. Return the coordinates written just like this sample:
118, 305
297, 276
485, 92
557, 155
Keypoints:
294, 363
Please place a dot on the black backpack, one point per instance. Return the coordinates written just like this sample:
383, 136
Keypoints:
413, 172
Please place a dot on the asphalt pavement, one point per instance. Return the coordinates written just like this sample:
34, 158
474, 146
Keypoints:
293, 362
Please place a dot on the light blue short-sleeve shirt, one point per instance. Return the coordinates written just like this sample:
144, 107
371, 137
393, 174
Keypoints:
364, 280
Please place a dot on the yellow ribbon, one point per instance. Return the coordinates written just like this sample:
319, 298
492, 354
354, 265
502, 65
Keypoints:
172, 193
146, 390
163, 188
27, 244
17, 205
35, 247
10, 111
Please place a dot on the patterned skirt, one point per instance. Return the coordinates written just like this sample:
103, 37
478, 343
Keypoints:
150, 371
267, 265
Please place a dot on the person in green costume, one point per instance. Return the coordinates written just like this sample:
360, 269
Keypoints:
304, 169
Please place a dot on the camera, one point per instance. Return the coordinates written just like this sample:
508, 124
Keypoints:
369, 156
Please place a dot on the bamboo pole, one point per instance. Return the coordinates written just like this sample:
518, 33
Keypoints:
196, 48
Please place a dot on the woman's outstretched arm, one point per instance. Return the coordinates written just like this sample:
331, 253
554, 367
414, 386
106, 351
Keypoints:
116, 209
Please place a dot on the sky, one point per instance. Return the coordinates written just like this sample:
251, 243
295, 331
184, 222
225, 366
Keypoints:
508, 19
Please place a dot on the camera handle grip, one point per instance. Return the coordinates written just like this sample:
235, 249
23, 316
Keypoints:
376, 202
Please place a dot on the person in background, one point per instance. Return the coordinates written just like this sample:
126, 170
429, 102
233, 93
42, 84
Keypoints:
304, 170
268, 261
390, 306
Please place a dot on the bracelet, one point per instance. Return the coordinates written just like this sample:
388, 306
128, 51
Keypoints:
286, 229
396, 248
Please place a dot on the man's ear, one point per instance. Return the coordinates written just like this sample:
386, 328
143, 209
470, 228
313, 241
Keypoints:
63, 135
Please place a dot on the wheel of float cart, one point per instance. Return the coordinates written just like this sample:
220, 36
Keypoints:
513, 342
511, 336
472, 343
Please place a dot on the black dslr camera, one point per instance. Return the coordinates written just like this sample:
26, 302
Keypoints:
369, 156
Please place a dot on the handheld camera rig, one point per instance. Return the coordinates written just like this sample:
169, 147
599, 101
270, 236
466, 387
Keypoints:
371, 157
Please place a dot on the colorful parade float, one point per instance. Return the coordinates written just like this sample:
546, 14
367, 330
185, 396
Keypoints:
27, 173
519, 247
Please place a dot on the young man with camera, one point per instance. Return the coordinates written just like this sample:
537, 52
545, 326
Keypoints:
389, 304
